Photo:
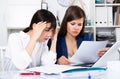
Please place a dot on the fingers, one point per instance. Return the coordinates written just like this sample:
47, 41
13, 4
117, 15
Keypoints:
38, 29
101, 52
41, 25
63, 61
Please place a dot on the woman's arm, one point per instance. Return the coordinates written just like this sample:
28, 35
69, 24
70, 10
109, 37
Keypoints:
34, 36
16, 55
49, 56
53, 41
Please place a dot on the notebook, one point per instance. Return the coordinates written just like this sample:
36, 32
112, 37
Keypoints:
112, 54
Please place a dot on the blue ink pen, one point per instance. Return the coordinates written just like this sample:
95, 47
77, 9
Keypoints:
89, 76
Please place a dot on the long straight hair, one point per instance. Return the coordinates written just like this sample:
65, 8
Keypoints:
72, 13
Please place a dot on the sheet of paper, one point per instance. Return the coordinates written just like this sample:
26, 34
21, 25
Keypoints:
60, 69
87, 52
53, 69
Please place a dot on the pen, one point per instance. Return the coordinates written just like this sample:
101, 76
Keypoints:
30, 73
89, 76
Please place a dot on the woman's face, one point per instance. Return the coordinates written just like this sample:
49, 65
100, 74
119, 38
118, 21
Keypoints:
74, 27
47, 33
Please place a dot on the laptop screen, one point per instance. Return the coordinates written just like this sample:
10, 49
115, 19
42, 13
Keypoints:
111, 55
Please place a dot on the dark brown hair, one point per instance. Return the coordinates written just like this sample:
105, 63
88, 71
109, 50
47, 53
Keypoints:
42, 15
72, 13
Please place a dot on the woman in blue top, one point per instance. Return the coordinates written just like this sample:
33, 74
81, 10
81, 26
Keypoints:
71, 34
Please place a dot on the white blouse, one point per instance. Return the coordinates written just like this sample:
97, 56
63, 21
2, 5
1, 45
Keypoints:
17, 58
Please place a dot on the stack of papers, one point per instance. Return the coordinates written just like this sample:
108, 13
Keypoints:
57, 69
53, 69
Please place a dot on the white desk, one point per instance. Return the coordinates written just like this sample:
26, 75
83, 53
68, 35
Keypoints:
101, 75
78, 75
72, 74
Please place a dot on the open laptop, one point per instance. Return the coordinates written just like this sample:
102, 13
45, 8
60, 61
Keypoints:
111, 55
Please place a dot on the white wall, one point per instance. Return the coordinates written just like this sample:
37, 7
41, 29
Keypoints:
3, 31
16, 14
20, 14
55, 7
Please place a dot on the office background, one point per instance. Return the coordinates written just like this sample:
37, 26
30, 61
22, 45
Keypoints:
102, 21
15, 15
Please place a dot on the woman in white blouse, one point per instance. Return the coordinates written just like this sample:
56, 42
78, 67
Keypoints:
28, 48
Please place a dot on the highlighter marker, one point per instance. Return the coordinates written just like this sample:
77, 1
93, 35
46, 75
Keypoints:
30, 73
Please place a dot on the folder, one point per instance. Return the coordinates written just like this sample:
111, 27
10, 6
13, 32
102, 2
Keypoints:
104, 16
58, 69
116, 16
110, 15
101, 16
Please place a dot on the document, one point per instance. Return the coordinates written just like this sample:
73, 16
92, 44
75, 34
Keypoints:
53, 69
58, 69
88, 52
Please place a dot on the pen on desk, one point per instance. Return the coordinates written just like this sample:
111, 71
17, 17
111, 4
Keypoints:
89, 76
29, 73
